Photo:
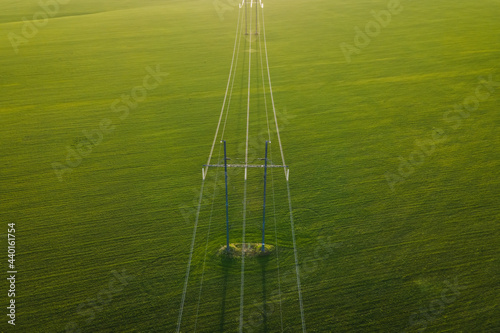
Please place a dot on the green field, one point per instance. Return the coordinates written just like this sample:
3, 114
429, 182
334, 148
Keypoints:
384, 245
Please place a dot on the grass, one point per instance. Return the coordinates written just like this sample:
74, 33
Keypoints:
370, 257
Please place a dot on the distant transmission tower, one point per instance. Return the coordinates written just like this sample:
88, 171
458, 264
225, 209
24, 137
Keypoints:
245, 4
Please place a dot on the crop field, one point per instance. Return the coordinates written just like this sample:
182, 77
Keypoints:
388, 114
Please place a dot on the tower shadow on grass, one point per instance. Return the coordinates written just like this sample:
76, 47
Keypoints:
263, 261
227, 264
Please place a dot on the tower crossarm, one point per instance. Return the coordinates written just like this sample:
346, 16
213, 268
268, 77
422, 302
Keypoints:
244, 166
